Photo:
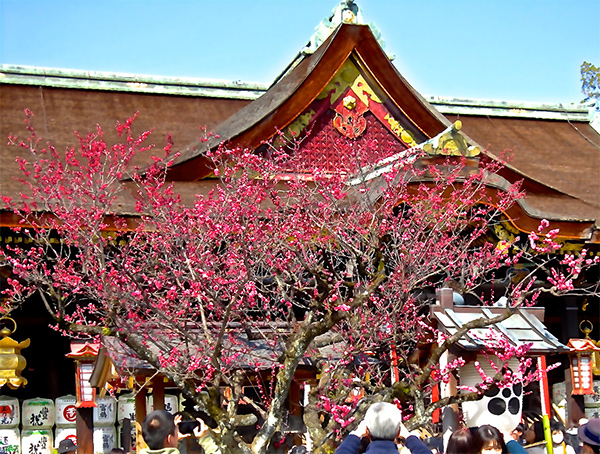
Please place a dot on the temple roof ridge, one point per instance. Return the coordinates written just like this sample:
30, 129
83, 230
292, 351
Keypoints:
141, 83
346, 12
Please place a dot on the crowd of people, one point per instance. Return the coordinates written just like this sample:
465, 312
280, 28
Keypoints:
380, 432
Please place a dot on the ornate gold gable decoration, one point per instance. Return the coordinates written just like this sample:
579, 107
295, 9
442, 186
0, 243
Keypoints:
450, 142
11, 360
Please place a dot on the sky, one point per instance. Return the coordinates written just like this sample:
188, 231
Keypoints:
510, 50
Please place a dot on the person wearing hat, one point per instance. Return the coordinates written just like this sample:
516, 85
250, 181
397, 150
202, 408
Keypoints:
589, 435
66, 446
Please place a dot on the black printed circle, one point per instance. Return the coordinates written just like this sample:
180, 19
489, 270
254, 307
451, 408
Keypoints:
497, 406
514, 406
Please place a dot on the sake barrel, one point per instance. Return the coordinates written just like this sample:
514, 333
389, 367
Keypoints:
10, 416
126, 407
64, 433
592, 412
559, 392
171, 403
593, 400
105, 439
38, 413
105, 413
10, 440
36, 441
66, 411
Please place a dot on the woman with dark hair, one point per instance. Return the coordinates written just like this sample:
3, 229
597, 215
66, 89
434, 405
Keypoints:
460, 442
558, 440
488, 440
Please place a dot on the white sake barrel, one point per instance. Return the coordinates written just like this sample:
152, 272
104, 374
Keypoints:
63, 433
105, 438
559, 392
36, 441
126, 407
38, 413
10, 416
10, 440
66, 411
593, 400
171, 403
105, 413
592, 412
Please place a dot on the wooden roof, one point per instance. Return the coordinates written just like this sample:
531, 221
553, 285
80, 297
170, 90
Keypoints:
556, 151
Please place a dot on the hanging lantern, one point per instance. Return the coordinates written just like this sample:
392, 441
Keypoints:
11, 360
581, 357
84, 355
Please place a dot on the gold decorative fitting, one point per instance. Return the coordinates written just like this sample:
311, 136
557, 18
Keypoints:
11, 360
349, 102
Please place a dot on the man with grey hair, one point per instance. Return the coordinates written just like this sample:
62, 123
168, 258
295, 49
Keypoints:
381, 426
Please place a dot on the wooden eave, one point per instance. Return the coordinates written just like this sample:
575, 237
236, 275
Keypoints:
287, 99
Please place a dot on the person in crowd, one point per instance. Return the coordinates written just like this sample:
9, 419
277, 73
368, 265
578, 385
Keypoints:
488, 440
589, 435
491, 440
460, 442
160, 433
382, 425
67, 446
558, 440
518, 434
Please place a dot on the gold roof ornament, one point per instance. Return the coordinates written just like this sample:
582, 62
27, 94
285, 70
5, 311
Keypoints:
11, 360
450, 142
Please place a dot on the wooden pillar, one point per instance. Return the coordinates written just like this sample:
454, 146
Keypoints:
158, 392
85, 430
140, 414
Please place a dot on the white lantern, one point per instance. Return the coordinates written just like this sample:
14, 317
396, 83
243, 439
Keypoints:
504, 404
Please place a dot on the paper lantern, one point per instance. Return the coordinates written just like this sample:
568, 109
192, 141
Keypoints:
580, 359
85, 355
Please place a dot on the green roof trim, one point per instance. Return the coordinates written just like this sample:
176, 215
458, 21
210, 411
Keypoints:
176, 86
135, 83
514, 109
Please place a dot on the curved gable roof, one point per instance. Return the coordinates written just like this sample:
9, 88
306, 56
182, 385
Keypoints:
289, 97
